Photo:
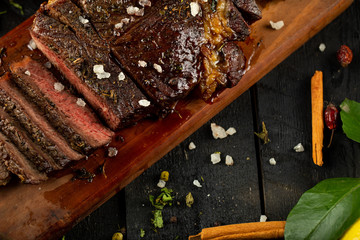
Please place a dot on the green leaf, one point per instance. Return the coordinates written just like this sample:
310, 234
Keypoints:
325, 211
3, 12
142, 233
350, 116
18, 6
157, 221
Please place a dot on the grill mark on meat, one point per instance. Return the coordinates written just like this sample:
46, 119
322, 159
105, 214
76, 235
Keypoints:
4, 172
17, 163
116, 101
80, 118
11, 129
17, 106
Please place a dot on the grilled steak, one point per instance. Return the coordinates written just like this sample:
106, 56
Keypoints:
4, 172
17, 163
39, 130
72, 111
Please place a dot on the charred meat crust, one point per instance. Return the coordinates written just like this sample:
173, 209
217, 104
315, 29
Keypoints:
249, 9
4, 172
234, 63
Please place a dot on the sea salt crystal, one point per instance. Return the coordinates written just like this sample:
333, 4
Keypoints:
58, 87
47, 64
83, 20
299, 148
229, 160
144, 102
112, 152
142, 63
32, 45
144, 3
272, 161
263, 218
121, 76
322, 47
197, 183
100, 72
131, 10
161, 183
122, 22
192, 146
218, 131
277, 25
231, 131
80, 102
27, 72
194, 8
215, 157
158, 68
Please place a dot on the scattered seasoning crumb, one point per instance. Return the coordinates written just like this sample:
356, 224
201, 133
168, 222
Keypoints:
215, 157
58, 87
263, 218
231, 131
83, 20
158, 68
189, 199
32, 45
142, 63
194, 8
144, 102
173, 219
161, 183
80, 102
121, 76
164, 176
27, 72
277, 25
100, 72
197, 183
145, 3
142, 233
229, 160
117, 236
131, 10
322, 47
208, 195
299, 148
218, 131
264, 135
247, 158
47, 64
119, 25
112, 152
192, 146
272, 161
83, 174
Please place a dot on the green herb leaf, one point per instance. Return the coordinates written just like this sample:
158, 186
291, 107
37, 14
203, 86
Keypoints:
264, 135
18, 6
162, 200
3, 12
157, 221
325, 211
142, 233
350, 117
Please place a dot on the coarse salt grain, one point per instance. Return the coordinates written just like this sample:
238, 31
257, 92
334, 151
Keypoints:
158, 68
299, 148
144, 3
272, 161
142, 63
277, 25
80, 102
229, 160
121, 76
27, 72
47, 64
263, 218
322, 47
100, 72
112, 152
58, 87
192, 146
32, 45
231, 131
83, 20
197, 183
215, 157
218, 131
144, 102
194, 8
161, 183
131, 10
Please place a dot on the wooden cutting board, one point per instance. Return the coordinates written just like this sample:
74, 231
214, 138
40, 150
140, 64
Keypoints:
47, 210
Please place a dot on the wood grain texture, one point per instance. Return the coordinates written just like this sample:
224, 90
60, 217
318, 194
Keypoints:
55, 212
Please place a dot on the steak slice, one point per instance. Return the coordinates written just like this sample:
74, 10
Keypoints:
72, 110
17, 163
91, 71
249, 9
40, 131
12, 130
4, 172
161, 51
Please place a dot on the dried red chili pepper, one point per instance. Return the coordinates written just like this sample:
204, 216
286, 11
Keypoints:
331, 114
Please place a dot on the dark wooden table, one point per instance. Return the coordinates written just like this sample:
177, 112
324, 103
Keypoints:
251, 187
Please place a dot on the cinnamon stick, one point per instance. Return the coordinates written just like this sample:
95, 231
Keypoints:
254, 230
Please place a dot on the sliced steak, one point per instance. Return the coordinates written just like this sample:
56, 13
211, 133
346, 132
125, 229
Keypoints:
4, 172
249, 9
91, 71
72, 110
17, 163
12, 130
234, 63
40, 131
161, 51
